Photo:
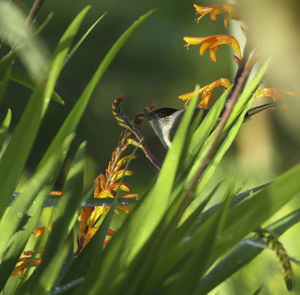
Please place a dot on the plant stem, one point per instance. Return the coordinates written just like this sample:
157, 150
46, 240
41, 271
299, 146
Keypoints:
35, 8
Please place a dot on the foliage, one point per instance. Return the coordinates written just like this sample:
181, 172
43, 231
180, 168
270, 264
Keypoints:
170, 243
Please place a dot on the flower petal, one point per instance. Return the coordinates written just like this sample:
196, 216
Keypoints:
212, 43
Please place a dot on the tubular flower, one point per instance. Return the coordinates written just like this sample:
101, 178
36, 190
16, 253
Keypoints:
276, 94
206, 92
228, 9
212, 43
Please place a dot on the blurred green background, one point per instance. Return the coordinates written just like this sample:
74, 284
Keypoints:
152, 67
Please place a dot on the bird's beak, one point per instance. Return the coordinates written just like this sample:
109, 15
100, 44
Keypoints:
260, 108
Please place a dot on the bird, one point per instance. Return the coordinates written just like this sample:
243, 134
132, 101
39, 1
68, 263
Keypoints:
165, 121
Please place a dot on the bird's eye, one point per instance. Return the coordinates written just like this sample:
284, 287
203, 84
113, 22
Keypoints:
160, 115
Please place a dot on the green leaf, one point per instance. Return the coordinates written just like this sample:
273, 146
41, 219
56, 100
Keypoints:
77, 45
4, 129
250, 214
34, 195
14, 158
5, 68
45, 23
24, 79
63, 220
19, 35
205, 128
235, 200
47, 278
196, 262
243, 254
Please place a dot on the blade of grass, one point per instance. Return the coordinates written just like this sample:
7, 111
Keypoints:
196, 263
14, 158
6, 63
42, 181
205, 128
163, 266
236, 199
145, 273
250, 214
45, 23
24, 79
64, 214
19, 35
4, 129
77, 45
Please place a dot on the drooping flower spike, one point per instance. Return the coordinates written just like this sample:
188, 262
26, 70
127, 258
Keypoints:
109, 183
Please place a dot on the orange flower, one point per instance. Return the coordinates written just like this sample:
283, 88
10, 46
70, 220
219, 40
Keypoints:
212, 43
40, 230
18, 270
24, 263
56, 193
229, 11
276, 94
206, 92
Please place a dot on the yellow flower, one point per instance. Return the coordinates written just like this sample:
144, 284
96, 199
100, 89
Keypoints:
206, 92
212, 43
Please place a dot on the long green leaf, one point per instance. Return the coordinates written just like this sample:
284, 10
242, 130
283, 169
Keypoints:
19, 35
24, 79
81, 40
5, 68
250, 214
64, 214
39, 185
4, 129
205, 128
196, 263
13, 161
